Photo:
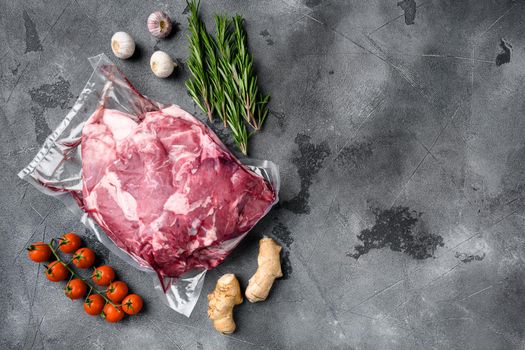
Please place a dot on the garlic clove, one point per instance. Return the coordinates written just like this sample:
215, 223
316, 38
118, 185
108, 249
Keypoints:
161, 64
159, 24
123, 45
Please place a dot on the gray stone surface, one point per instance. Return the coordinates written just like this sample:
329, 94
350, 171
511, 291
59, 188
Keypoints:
402, 157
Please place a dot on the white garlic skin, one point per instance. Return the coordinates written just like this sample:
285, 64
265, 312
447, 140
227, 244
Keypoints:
123, 45
161, 64
159, 24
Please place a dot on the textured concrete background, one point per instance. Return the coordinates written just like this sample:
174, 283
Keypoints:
402, 154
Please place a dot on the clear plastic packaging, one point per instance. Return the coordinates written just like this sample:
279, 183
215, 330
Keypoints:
56, 170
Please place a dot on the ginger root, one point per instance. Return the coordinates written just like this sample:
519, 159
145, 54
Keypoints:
269, 269
225, 296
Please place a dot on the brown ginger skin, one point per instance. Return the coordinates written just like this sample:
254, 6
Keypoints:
225, 296
269, 269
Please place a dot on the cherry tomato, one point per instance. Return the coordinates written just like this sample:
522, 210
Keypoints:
84, 258
39, 252
75, 289
132, 304
117, 291
103, 275
112, 314
56, 271
94, 304
69, 243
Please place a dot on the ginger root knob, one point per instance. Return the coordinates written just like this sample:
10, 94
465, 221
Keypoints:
225, 296
269, 269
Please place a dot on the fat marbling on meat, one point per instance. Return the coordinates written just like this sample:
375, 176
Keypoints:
166, 189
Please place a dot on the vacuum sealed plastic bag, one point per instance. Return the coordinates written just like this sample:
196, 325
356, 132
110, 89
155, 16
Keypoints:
155, 185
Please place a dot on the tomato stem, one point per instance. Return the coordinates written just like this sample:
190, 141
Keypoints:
88, 293
70, 278
73, 273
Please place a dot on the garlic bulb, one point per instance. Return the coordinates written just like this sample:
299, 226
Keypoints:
123, 45
161, 64
159, 24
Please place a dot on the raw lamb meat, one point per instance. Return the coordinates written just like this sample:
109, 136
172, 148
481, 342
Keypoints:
167, 190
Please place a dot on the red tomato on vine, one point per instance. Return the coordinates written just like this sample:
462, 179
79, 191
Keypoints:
94, 304
132, 304
112, 313
69, 243
84, 258
56, 271
103, 275
75, 289
39, 252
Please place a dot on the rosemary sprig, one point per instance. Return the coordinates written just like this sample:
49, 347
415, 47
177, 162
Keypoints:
232, 115
198, 86
254, 111
212, 64
223, 80
222, 44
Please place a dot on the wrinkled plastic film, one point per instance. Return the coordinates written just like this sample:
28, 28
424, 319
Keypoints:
56, 170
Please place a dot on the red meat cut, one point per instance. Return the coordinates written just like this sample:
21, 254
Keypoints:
166, 189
